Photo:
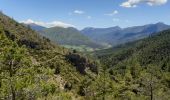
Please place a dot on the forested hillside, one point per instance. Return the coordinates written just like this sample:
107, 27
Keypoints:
31, 67
34, 68
69, 36
141, 67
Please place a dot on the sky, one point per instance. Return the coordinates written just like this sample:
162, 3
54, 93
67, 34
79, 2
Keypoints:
88, 13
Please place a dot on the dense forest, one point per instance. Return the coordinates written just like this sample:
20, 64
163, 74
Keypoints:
142, 67
34, 68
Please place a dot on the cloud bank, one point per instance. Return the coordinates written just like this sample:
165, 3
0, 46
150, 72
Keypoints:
48, 24
134, 3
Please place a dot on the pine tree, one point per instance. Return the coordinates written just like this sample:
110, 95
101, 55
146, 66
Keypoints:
13, 59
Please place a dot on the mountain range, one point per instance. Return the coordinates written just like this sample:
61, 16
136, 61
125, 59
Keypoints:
116, 35
32, 67
69, 37
98, 37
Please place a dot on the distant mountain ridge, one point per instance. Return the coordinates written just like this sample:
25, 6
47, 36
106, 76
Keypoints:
35, 26
68, 36
117, 35
98, 37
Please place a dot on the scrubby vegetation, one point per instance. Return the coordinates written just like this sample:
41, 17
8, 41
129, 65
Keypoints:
33, 68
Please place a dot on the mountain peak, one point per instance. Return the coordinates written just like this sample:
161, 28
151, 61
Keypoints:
34, 26
160, 23
115, 28
109, 28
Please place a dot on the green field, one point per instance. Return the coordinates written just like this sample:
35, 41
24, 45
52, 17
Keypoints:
81, 48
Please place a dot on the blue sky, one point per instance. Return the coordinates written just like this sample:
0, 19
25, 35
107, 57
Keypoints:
88, 13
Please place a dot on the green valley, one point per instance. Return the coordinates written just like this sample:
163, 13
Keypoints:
54, 61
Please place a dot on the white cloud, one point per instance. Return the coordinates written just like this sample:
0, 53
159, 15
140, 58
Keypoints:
134, 3
30, 21
79, 12
112, 13
89, 17
48, 24
60, 24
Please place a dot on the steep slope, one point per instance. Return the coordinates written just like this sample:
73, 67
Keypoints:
155, 48
68, 36
34, 68
116, 35
142, 68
